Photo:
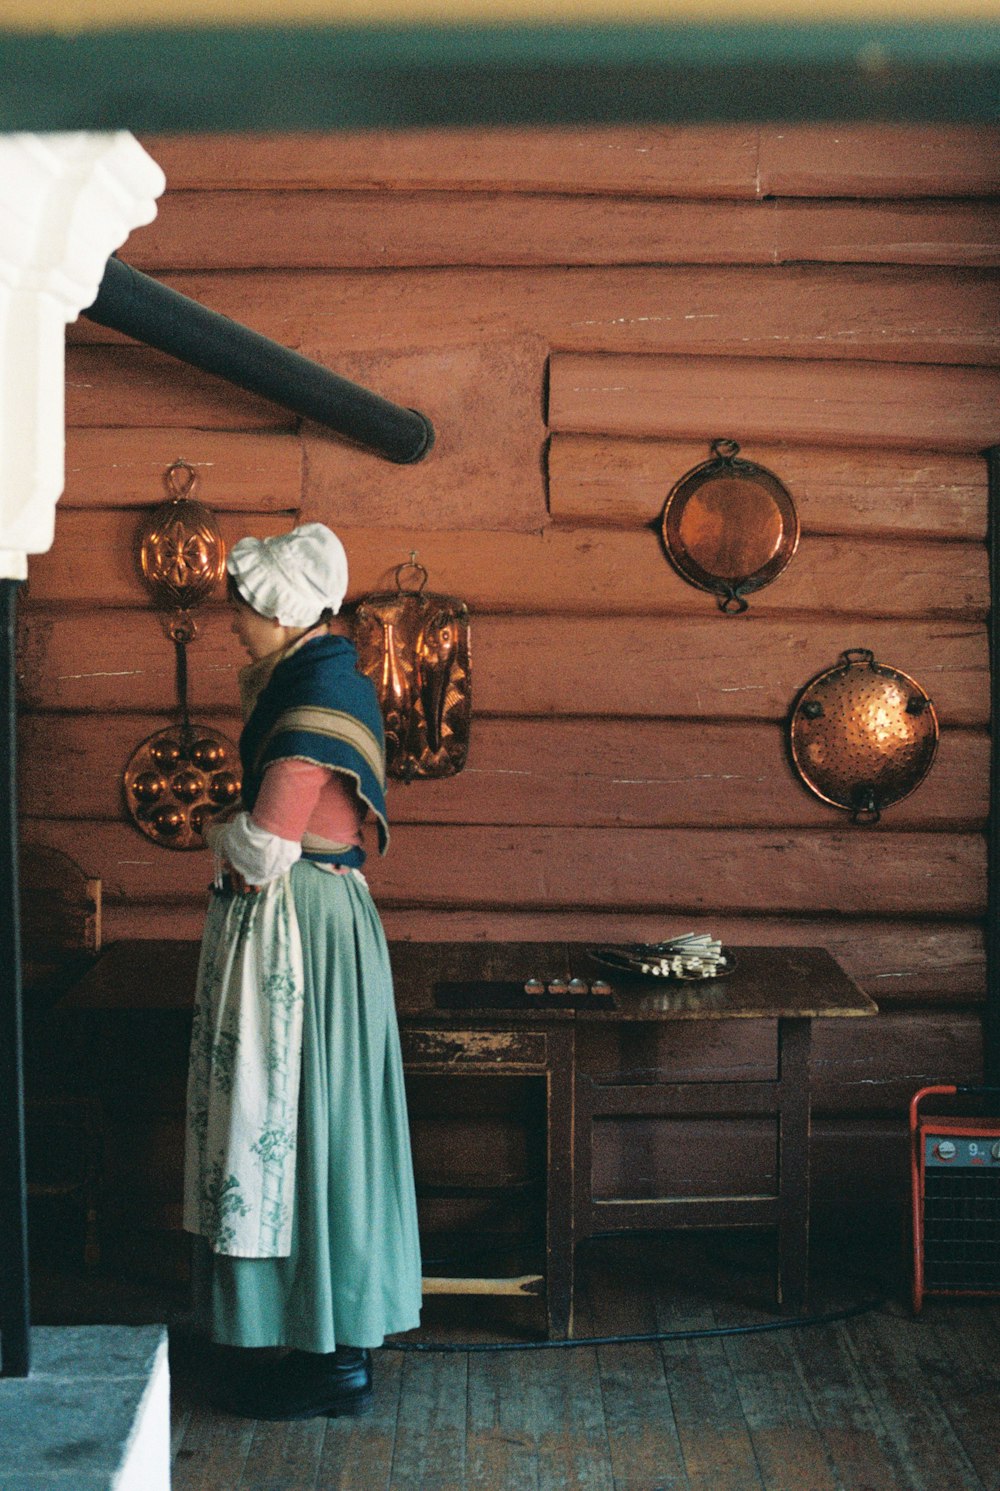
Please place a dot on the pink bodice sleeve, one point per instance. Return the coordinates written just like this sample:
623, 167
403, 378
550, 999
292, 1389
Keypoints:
300, 800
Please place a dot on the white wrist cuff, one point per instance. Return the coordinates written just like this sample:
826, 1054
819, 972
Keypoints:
257, 854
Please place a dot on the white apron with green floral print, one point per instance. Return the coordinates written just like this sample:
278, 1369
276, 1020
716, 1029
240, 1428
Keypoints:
243, 1082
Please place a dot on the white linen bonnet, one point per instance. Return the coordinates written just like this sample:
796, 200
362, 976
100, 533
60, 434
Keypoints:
292, 577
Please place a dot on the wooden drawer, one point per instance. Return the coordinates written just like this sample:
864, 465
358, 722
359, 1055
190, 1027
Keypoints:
440, 1050
699, 1051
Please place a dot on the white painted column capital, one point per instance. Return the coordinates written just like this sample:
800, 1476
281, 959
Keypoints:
67, 201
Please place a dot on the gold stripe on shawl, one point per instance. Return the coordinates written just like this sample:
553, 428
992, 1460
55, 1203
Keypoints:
335, 724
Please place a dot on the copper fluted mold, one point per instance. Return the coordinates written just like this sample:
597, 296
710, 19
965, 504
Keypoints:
862, 735
179, 778
176, 781
729, 527
415, 647
181, 554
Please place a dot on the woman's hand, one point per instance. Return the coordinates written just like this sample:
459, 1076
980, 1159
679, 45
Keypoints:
238, 882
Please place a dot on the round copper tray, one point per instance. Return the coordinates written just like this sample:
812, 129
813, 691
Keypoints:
729, 526
863, 735
177, 780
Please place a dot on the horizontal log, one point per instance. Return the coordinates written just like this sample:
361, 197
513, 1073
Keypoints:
135, 386
878, 1068
70, 765
879, 160
682, 871
93, 557
879, 493
694, 871
632, 668
861, 160
364, 230
589, 773
878, 313
748, 667
959, 233
115, 467
555, 571
113, 660
375, 230
708, 161
667, 774
590, 570
916, 407
893, 962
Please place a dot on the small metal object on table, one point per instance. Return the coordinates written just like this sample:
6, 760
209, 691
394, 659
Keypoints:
601, 1062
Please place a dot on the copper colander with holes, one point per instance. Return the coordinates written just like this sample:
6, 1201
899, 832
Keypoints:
862, 735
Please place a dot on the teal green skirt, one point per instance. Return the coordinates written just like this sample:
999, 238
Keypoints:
353, 1274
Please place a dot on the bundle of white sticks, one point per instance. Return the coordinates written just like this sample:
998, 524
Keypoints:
694, 955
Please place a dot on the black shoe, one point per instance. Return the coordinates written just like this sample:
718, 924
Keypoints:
304, 1385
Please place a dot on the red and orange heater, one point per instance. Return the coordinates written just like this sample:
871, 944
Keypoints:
955, 1169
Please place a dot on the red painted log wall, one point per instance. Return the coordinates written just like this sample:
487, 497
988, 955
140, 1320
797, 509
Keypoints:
581, 313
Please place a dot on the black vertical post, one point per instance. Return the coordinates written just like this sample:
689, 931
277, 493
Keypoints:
991, 1022
15, 1356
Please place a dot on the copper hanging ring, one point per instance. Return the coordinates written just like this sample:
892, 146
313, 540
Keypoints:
410, 564
180, 487
733, 603
866, 809
182, 628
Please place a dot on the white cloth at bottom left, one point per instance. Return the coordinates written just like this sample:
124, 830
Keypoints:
243, 1082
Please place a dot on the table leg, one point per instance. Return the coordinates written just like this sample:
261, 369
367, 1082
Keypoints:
559, 1230
794, 1101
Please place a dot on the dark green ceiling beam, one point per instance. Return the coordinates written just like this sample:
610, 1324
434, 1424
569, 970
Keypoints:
355, 77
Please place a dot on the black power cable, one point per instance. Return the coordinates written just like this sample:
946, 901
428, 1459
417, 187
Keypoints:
793, 1322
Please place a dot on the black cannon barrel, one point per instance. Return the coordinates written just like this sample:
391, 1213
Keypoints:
141, 307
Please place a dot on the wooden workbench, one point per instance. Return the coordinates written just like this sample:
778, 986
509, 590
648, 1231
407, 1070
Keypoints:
637, 1058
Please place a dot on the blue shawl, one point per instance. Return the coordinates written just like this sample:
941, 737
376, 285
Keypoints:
316, 706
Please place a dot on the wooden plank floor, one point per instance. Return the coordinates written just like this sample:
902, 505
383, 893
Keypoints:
877, 1402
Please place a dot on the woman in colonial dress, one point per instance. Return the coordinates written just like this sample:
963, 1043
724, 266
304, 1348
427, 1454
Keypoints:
298, 1176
